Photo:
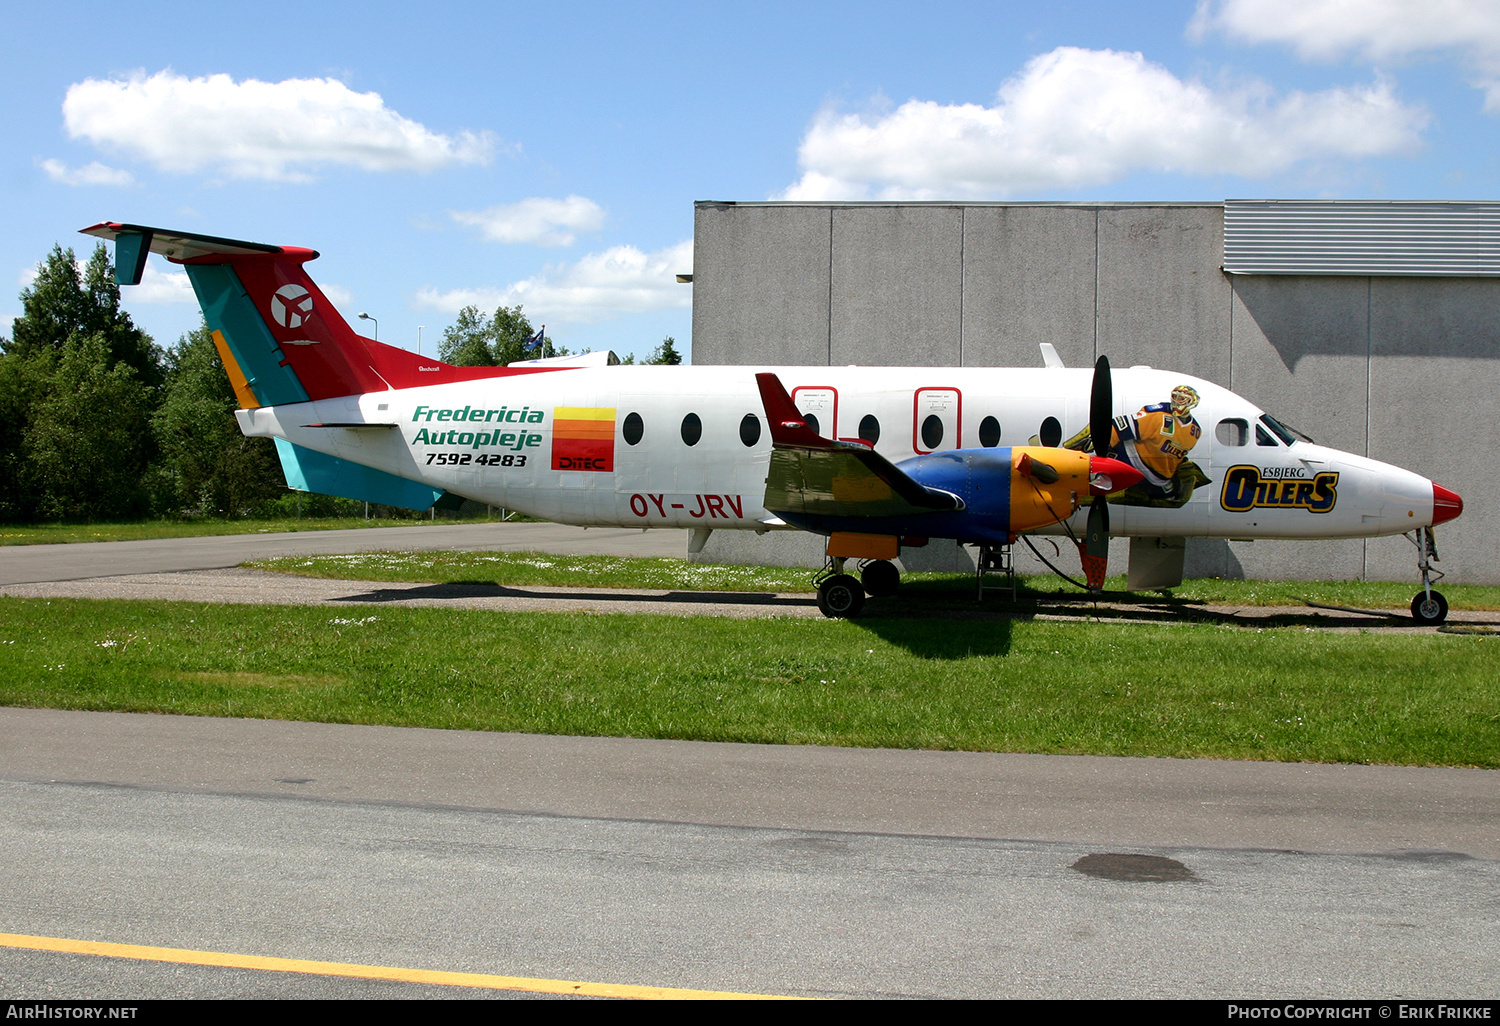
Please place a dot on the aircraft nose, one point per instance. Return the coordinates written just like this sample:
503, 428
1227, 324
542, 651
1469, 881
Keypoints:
1446, 505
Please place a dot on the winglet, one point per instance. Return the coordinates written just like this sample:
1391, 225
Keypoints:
787, 424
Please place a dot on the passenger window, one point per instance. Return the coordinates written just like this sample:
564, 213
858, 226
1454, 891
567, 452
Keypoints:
1263, 437
692, 429
750, 430
989, 432
1232, 432
811, 420
869, 428
633, 429
932, 431
1051, 433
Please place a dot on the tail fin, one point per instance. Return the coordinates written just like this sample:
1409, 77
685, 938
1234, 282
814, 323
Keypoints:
281, 340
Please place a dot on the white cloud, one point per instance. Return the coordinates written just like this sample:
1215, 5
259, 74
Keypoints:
545, 222
254, 129
337, 294
93, 173
1372, 30
1074, 118
158, 286
618, 280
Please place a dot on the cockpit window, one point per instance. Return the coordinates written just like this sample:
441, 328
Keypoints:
1263, 437
1286, 434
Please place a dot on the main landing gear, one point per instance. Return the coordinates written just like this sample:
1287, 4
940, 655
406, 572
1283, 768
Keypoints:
842, 597
1428, 608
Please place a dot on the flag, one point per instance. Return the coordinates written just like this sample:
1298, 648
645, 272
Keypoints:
535, 341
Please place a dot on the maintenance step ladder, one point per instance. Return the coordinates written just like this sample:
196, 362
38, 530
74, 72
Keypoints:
995, 560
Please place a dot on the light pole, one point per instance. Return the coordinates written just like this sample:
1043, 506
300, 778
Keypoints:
419, 338
367, 317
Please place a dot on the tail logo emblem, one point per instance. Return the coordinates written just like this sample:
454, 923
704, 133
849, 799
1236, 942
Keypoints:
291, 305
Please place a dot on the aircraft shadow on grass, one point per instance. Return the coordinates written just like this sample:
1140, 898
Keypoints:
929, 619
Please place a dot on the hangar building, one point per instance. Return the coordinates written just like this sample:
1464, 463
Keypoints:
1373, 327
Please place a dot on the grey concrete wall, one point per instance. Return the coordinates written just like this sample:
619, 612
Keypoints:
1028, 277
897, 280
1162, 299
760, 284
1369, 365
1435, 409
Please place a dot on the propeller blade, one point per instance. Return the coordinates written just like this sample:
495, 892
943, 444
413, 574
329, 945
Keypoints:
1101, 407
1093, 551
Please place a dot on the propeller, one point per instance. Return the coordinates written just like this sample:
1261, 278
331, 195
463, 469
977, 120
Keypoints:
1093, 551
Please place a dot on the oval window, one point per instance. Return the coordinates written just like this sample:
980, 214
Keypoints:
633, 429
692, 429
932, 431
811, 420
1232, 431
989, 432
750, 430
869, 428
1051, 433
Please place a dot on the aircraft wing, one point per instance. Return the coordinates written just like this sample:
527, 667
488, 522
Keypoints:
819, 476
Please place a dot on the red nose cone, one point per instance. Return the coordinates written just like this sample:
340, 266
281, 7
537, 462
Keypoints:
1445, 505
1116, 475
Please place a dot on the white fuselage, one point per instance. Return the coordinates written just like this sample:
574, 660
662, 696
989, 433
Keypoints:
499, 441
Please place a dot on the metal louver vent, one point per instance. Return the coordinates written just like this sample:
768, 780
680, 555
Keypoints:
1362, 237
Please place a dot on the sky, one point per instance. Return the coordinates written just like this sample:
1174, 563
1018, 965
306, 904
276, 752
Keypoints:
439, 155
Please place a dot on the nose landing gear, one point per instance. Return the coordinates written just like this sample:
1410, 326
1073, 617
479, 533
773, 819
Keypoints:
1428, 608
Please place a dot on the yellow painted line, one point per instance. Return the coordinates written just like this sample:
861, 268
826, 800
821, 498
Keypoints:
370, 972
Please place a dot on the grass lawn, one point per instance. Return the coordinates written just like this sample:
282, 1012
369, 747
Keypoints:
1025, 686
535, 568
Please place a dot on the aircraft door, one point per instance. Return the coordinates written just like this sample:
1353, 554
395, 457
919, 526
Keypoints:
937, 420
820, 405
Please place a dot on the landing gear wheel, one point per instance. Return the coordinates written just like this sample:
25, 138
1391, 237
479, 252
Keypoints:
1429, 612
841, 597
880, 578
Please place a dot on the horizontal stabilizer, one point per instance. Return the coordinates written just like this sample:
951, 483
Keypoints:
309, 471
136, 240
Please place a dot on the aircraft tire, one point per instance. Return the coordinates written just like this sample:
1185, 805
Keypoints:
1429, 613
841, 597
880, 578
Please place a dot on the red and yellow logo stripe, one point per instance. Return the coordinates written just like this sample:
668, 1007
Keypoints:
583, 438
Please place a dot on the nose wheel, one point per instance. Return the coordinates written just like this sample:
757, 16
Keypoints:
1428, 608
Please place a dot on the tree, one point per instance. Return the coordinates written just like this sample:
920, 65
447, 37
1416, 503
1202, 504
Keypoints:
60, 303
89, 441
207, 465
477, 340
24, 382
666, 353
